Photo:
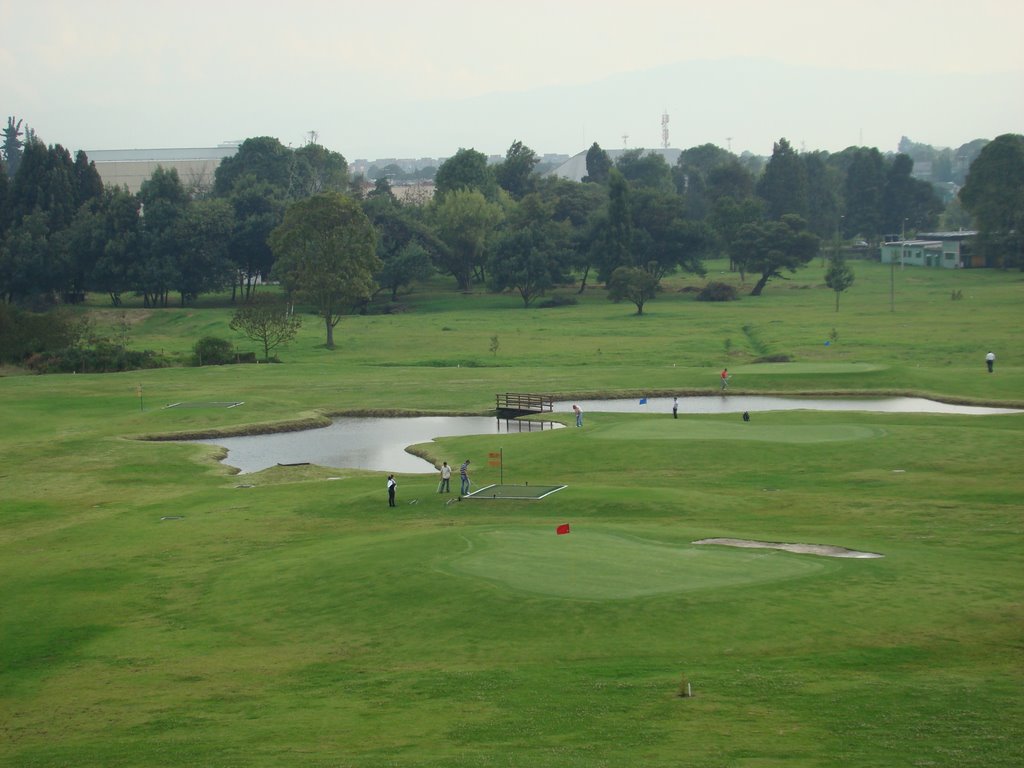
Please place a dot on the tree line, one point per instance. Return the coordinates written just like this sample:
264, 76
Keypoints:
298, 217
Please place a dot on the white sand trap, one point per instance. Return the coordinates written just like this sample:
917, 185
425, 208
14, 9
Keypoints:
825, 550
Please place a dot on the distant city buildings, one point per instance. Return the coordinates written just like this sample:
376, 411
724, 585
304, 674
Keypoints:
411, 178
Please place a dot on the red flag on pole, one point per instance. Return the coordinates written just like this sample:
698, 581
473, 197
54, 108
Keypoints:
564, 528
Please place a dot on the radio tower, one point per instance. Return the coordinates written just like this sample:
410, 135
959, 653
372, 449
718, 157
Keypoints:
664, 130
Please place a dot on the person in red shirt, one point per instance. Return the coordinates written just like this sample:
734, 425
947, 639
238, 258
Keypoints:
725, 378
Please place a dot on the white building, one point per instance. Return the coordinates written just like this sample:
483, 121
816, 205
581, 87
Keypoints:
130, 167
931, 249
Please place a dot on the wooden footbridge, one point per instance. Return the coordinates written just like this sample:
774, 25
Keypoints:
512, 404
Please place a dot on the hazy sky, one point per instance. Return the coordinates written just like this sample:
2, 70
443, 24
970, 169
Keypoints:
407, 79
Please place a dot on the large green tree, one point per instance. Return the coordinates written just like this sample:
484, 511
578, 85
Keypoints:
202, 240
163, 203
29, 261
576, 205
465, 221
994, 195
326, 251
515, 173
770, 247
263, 158
633, 284
258, 208
645, 170
664, 238
532, 252
315, 169
406, 246
466, 170
120, 244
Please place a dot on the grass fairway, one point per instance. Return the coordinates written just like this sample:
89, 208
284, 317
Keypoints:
158, 611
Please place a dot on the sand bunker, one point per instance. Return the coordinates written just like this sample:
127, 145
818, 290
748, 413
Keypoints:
825, 550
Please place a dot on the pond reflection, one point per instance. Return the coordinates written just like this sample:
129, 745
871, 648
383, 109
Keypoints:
364, 443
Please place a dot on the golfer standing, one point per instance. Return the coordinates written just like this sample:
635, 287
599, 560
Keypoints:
391, 490
675, 407
725, 378
464, 474
990, 361
446, 476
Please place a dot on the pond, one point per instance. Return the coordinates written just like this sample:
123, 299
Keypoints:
379, 443
739, 403
364, 443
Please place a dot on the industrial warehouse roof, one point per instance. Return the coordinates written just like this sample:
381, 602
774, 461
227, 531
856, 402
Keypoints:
160, 155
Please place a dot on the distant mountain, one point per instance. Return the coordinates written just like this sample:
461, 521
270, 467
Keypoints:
742, 104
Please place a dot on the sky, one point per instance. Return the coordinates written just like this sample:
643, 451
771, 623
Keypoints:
422, 79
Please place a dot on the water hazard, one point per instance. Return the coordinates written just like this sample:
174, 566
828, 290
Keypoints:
739, 403
379, 443
364, 443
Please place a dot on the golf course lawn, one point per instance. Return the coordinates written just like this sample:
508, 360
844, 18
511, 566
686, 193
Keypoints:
158, 610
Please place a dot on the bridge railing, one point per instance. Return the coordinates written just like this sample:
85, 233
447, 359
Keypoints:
523, 402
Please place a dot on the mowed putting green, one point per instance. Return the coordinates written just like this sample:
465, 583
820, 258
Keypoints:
599, 564
700, 429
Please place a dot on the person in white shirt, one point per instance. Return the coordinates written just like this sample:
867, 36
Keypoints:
446, 477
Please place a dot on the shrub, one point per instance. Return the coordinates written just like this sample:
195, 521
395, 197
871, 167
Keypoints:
103, 357
717, 291
558, 300
23, 334
211, 350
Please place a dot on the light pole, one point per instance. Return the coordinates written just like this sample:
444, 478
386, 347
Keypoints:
903, 244
892, 282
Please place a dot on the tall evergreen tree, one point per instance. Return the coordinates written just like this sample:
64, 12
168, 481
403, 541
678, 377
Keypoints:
615, 247
783, 186
865, 186
599, 164
994, 195
823, 198
45, 182
12, 146
88, 184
